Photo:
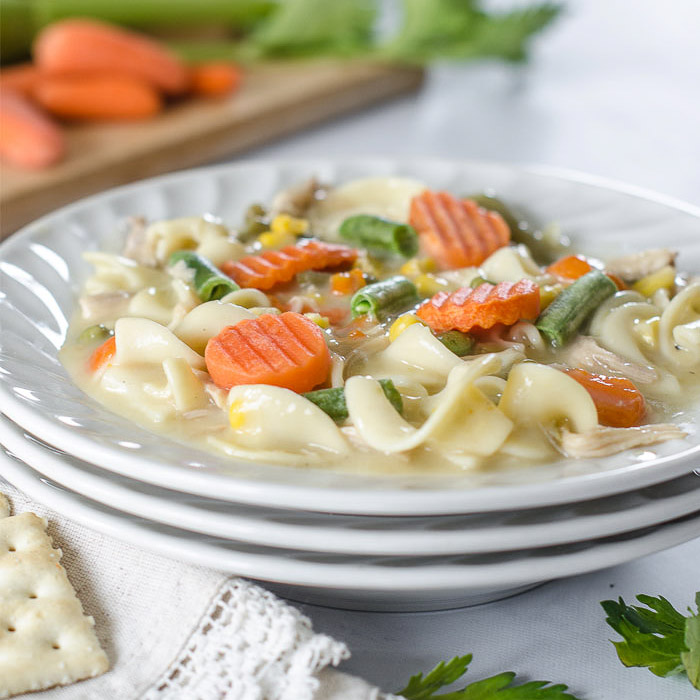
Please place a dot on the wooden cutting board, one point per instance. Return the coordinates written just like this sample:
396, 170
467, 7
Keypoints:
275, 100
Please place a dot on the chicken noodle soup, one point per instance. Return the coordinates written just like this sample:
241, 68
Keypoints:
382, 326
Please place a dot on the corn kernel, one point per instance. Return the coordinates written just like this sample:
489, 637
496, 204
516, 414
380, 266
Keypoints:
548, 292
275, 239
320, 321
415, 266
236, 416
661, 279
428, 284
401, 324
284, 223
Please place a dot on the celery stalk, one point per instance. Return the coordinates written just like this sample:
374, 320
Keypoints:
22, 19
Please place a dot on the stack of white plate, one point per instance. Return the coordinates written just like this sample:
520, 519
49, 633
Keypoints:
391, 543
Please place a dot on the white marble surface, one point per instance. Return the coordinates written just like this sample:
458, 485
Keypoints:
612, 89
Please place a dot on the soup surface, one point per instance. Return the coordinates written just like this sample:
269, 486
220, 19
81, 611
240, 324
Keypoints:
379, 326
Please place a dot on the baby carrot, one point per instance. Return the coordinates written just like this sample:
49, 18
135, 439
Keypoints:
21, 78
214, 79
618, 401
470, 309
98, 97
86, 46
287, 350
28, 137
102, 354
456, 232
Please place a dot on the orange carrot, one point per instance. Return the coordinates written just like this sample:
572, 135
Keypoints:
456, 232
28, 137
287, 350
102, 354
347, 282
98, 97
619, 282
481, 308
570, 268
276, 266
214, 79
618, 401
21, 78
85, 46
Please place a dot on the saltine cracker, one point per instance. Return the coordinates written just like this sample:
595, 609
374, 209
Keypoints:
45, 638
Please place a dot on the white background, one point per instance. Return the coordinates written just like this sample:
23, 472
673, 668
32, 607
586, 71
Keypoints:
612, 89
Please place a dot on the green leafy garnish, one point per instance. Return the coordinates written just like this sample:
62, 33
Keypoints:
657, 636
498, 687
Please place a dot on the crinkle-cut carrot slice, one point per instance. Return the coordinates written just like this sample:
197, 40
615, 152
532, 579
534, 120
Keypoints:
288, 350
481, 308
618, 401
273, 267
456, 232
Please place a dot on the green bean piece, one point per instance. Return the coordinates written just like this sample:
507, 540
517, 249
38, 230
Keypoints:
209, 282
544, 251
478, 281
385, 298
94, 333
380, 236
560, 321
457, 342
332, 401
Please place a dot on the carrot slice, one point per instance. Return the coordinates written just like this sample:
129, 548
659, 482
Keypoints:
277, 266
618, 401
481, 308
570, 268
456, 232
21, 78
28, 137
82, 46
287, 350
347, 282
98, 97
214, 79
102, 354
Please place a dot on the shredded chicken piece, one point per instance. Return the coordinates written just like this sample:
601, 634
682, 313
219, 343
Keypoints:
218, 396
297, 199
603, 441
136, 246
94, 307
585, 353
637, 265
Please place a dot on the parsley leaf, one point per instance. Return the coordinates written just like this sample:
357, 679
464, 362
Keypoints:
498, 687
657, 636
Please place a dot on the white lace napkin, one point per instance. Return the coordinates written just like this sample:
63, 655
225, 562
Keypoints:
173, 631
